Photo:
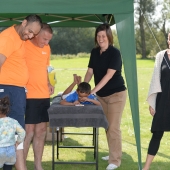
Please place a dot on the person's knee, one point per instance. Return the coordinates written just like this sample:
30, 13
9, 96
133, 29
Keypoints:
114, 134
29, 135
157, 135
30, 128
40, 132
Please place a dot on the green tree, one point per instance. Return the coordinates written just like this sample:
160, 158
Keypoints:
144, 9
72, 40
115, 39
75, 40
154, 40
162, 21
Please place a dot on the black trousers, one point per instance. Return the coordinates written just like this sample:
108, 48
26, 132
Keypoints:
155, 142
7, 167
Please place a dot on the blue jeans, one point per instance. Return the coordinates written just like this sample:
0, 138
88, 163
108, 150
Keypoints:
7, 155
17, 98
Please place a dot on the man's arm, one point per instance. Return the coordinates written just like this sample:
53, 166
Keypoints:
2, 59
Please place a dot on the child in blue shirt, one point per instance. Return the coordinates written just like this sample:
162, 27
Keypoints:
81, 96
8, 128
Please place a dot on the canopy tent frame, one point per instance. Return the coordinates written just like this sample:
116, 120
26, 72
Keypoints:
107, 18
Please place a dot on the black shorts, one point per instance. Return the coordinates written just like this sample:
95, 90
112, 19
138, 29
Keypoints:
36, 111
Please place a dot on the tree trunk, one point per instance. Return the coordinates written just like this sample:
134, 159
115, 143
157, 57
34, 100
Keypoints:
142, 36
164, 32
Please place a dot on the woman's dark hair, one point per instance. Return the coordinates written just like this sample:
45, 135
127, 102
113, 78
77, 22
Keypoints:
4, 105
104, 27
84, 88
34, 18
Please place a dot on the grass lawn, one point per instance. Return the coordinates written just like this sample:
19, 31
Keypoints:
65, 68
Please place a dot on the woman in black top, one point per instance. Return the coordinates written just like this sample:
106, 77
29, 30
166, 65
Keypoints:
106, 64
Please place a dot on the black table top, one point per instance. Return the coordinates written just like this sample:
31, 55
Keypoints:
77, 116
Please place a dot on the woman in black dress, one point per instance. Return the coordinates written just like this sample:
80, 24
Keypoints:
159, 101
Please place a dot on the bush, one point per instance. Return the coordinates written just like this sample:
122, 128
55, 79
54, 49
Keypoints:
69, 56
138, 56
83, 55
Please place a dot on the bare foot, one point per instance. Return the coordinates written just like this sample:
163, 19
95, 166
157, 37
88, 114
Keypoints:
75, 78
79, 79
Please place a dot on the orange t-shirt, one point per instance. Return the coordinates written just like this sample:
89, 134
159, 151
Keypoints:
37, 60
14, 70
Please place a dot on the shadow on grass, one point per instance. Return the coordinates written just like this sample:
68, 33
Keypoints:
127, 163
146, 149
155, 165
74, 154
85, 155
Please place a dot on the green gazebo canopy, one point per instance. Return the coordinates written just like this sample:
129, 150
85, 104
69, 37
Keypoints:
87, 13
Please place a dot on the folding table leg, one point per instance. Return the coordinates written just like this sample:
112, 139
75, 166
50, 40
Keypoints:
96, 146
61, 131
58, 129
93, 137
94, 141
53, 148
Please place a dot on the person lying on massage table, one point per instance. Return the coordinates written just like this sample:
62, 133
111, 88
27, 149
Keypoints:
79, 97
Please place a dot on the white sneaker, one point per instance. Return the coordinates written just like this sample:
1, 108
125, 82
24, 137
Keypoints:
111, 167
105, 158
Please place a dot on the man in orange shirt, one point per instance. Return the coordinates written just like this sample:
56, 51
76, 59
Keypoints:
14, 72
38, 95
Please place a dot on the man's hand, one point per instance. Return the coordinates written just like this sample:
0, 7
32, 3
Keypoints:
51, 89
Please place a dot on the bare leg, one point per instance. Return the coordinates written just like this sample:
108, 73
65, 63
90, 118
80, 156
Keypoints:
70, 88
20, 163
38, 144
29, 128
75, 78
148, 162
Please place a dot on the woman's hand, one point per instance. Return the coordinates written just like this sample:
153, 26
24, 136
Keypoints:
152, 111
